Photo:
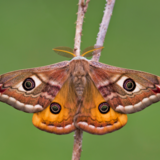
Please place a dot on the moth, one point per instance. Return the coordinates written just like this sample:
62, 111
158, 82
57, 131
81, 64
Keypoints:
79, 93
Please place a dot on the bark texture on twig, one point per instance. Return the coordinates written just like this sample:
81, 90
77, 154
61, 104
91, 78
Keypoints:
77, 148
82, 8
103, 27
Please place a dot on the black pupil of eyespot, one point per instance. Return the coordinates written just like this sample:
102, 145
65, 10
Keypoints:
129, 85
104, 107
55, 108
28, 84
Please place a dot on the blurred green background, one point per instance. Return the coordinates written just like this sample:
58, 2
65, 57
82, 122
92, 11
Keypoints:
29, 29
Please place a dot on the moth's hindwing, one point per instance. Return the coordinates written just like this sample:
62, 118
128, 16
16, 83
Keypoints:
96, 116
59, 115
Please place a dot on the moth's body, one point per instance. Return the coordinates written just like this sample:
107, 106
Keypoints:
78, 70
80, 93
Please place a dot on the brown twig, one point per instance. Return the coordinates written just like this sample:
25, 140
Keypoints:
103, 27
77, 148
82, 8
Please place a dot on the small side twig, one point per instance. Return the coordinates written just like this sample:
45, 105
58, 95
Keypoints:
82, 8
103, 27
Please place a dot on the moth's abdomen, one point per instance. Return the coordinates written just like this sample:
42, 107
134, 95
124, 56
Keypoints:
79, 77
79, 86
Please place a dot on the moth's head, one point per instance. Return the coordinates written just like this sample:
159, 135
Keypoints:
69, 52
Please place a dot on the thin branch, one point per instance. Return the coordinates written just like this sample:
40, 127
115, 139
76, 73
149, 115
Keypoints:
103, 27
77, 148
82, 8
